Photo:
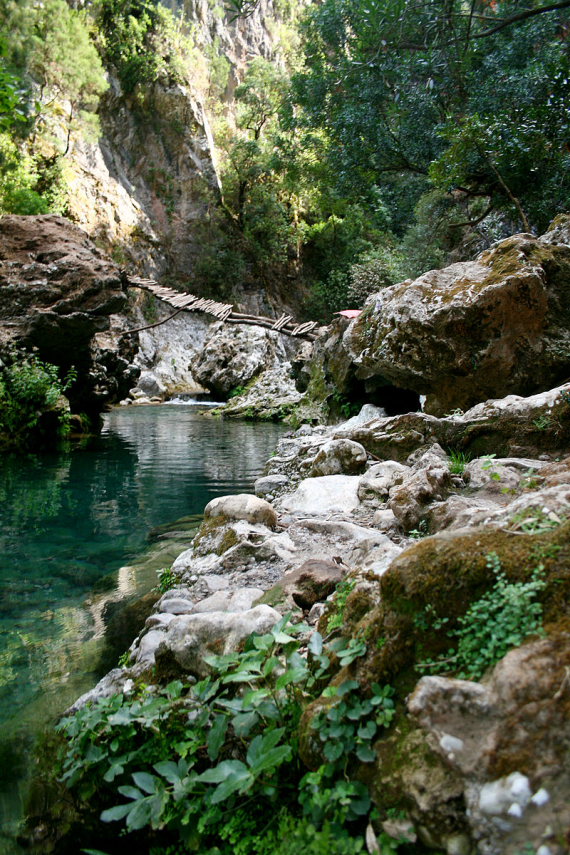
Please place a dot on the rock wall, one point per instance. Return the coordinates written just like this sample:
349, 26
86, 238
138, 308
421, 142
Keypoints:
57, 292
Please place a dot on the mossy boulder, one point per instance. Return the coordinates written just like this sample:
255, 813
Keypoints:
472, 331
440, 577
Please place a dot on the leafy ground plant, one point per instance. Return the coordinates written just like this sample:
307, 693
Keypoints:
211, 762
458, 461
28, 389
500, 620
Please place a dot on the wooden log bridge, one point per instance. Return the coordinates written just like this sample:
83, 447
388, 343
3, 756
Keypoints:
183, 301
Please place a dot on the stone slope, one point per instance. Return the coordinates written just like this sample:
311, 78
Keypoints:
471, 765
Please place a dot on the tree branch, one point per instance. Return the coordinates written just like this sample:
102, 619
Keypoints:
522, 16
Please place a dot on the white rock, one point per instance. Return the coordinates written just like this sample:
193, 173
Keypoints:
147, 646
189, 638
319, 496
496, 797
242, 506
239, 600
269, 484
175, 605
375, 485
159, 620
541, 797
451, 744
367, 414
338, 457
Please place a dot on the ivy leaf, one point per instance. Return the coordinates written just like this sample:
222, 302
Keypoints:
365, 753
347, 686
216, 736
333, 750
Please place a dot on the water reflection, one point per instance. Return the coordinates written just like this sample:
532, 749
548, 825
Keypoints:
69, 520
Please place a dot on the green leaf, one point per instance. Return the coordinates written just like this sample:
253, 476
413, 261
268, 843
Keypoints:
365, 753
243, 723
216, 736
315, 645
130, 792
222, 771
115, 813
347, 686
139, 815
262, 744
283, 637
333, 750
170, 770
113, 771
272, 759
145, 781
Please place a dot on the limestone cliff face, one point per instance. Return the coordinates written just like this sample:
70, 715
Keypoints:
139, 190
143, 187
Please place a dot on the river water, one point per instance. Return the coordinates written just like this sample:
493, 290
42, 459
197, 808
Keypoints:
74, 535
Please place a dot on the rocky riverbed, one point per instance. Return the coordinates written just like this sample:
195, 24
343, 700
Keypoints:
407, 511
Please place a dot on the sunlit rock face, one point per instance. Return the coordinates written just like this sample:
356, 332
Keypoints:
148, 181
475, 330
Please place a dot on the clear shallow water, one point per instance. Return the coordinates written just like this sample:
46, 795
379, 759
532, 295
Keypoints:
74, 532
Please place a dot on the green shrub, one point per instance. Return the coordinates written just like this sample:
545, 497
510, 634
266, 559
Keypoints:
500, 620
29, 388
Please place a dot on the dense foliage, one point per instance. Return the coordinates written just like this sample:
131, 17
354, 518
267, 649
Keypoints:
51, 78
31, 400
386, 138
217, 764
411, 133
274, 750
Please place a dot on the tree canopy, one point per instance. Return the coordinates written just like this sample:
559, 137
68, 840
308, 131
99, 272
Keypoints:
467, 97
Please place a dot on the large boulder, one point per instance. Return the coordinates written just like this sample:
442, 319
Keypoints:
57, 290
190, 638
233, 355
509, 427
475, 330
242, 506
